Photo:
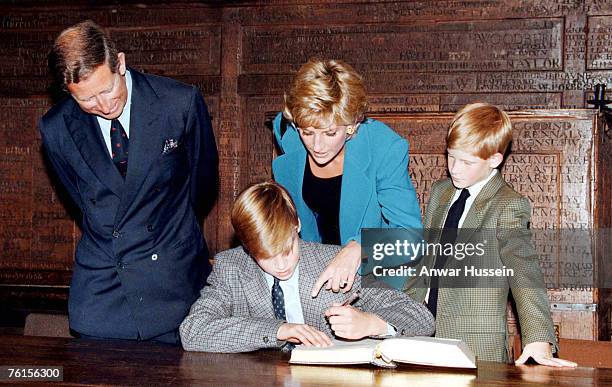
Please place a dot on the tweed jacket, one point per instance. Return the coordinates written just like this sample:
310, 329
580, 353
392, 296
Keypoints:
234, 313
478, 315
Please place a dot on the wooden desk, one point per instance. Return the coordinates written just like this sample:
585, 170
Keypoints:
129, 363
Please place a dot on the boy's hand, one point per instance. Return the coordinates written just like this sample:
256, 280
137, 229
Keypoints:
304, 334
340, 273
541, 352
350, 323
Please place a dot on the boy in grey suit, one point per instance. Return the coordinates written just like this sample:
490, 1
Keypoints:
259, 294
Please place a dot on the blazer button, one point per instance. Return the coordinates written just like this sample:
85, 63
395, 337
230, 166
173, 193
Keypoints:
156, 189
265, 339
149, 227
116, 234
93, 201
154, 257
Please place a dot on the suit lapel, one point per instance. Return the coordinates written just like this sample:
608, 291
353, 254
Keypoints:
356, 189
356, 186
313, 309
257, 292
441, 209
473, 219
146, 130
87, 136
310, 306
434, 229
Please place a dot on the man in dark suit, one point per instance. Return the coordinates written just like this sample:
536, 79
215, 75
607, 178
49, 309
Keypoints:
137, 155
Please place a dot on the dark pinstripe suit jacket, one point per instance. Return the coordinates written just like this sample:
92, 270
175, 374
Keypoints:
234, 313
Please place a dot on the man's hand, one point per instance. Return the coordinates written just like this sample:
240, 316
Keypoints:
304, 334
350, 323
541, 352
340, 273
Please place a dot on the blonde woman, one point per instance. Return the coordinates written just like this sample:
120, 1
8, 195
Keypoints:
344, 171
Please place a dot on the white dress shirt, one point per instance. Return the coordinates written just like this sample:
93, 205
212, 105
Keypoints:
124, 118
474, 191
293, 305
291, 294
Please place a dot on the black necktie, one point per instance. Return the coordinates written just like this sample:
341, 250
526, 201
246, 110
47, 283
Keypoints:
449, 234
119, 146
278, 303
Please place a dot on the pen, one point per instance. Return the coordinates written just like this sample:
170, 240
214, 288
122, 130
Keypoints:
352, 298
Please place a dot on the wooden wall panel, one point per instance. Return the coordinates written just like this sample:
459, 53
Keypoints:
429, 57
172, 51
552, 162
259, 141
599, 50
232, 136
508, 45
36, 232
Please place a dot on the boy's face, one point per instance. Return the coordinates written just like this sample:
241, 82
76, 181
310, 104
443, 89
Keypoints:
466, 169
282, 266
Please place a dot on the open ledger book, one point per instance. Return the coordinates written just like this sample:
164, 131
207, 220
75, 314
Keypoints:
429, 351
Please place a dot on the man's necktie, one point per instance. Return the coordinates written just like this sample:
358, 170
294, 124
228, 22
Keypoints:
278, 300
278, 303
119, 146
449, 235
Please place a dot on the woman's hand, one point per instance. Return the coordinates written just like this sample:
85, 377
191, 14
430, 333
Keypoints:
341, 271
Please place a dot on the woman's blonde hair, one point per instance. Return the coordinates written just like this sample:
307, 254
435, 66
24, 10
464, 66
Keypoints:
480, 129
325, 92
265, 220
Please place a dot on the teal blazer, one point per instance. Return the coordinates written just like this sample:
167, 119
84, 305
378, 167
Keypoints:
376, 189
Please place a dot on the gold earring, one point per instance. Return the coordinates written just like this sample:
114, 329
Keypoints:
350, 130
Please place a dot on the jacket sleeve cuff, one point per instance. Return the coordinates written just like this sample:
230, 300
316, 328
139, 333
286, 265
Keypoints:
391, 331
269, 337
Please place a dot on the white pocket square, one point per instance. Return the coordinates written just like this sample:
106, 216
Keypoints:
169, 145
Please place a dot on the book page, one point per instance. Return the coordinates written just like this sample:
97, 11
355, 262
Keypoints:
357, 376
429, 351
342, 352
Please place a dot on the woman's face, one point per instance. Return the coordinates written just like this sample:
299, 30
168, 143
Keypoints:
324, 145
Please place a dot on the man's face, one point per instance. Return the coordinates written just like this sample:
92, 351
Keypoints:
282, 266
103, 92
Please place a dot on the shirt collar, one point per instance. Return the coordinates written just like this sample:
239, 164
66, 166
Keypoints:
293, 281
124, 118
476, 188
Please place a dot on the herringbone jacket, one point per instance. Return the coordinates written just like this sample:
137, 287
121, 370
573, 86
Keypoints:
478, 315
234, 313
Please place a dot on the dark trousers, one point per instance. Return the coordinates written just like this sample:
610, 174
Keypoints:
172, 338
